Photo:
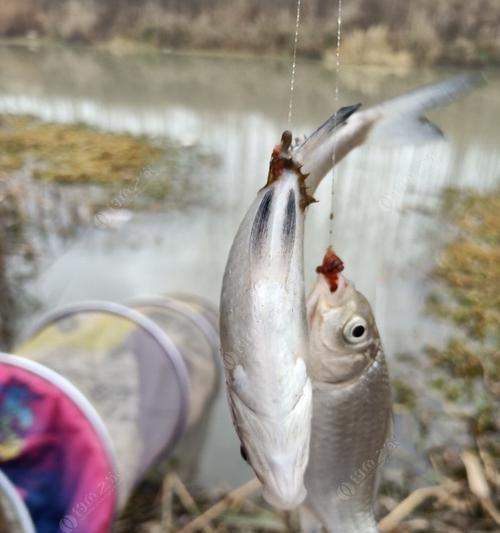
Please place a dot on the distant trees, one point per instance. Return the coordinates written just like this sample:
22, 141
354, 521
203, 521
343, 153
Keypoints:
428, 31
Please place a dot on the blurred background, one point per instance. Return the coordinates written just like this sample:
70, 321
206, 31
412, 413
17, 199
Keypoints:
133, 136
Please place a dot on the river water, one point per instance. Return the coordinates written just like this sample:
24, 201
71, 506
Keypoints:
384, 228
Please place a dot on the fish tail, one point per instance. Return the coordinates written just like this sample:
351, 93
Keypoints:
400, 120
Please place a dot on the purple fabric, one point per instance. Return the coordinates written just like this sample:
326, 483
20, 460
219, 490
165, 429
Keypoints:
53, 455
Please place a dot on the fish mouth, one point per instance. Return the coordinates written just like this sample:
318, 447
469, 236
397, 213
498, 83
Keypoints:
331, 267
332, 286
321, 298
343, 286
337, 297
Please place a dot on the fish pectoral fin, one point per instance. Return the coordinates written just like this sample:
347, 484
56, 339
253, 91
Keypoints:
297, 387
243, 388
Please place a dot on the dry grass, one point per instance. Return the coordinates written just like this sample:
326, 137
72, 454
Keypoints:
72, 153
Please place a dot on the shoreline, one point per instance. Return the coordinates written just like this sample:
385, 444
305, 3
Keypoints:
118, 46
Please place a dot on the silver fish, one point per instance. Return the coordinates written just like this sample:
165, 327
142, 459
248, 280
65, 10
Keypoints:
351, 406
264, 334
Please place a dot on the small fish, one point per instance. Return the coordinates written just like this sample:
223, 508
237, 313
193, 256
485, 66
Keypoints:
397, 121
351, 419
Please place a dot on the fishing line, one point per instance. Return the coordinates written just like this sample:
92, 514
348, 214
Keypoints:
337, 72
294, 63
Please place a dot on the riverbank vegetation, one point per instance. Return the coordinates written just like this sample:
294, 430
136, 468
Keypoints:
72, 153
469, 361
470, 270
465, 368
374, 31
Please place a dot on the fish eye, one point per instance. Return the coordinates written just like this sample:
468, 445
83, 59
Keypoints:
356, 330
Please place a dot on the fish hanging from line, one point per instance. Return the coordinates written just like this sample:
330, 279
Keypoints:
352, 414
264, 333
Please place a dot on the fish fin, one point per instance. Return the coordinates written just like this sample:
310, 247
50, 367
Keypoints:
400, 120
243, 388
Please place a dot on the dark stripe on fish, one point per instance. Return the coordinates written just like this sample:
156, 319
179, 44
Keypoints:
260, 223
290, 221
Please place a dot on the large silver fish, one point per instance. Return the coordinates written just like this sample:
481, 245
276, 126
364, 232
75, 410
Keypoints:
264, 333
351, 419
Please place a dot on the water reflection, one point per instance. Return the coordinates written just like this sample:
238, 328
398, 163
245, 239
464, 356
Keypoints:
237, 108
